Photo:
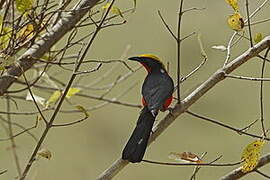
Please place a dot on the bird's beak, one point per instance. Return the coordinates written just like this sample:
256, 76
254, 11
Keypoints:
136, 58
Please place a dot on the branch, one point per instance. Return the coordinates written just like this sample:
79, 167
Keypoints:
27, 60
237, 173
178, 109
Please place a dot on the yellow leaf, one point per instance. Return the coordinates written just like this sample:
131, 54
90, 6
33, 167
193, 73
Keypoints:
83, 110
250, 155
236, 22
106, 6
117, 11
72, 92
26, 32
5, 36
54, 97
185, 156
233, 4
45, 153
114, 9
258, 37
24, 5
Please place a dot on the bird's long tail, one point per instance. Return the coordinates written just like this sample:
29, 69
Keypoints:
136, 145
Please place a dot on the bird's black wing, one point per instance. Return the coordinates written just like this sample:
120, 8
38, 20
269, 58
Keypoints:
156, 89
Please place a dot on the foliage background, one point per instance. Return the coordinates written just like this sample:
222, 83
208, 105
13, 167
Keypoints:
83, 151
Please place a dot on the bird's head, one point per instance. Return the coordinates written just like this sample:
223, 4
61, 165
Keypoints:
149, 61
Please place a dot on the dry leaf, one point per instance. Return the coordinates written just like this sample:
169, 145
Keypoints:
38, 99
45, 153
185, 156
219, 47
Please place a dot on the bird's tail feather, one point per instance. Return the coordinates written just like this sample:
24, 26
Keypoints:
136, 145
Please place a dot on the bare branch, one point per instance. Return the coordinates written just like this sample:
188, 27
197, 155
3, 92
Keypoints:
237, 173
249, 27
239, 131
263, 174
13, 144
211, 164
247, 78
261, 94
27, 60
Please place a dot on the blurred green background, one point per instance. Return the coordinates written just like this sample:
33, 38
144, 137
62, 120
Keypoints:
85, 150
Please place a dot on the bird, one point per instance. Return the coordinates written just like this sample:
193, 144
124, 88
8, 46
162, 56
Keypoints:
157, 94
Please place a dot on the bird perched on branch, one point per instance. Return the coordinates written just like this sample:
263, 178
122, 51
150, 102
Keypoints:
157, 93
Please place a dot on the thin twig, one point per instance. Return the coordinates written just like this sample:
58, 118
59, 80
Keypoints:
70, 123
166, 25
193, 9
89, 71
12, 140
203, 54
260, 21
248, 126
34, 100
261, 94
228, 55
249, 27
247, 78
179, 49
192, 164
197, 168
239, 131
24, 130
3, 172
263, 174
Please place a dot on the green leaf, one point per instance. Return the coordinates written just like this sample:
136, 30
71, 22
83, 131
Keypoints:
72, 92
114, 9
5, 36
117, 11
83, 110
258, 37
54, 97
24, 5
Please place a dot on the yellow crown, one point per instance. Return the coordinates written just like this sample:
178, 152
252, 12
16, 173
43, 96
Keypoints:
150, 56
153, 57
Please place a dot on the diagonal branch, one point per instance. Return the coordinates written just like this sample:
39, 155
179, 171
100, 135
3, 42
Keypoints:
63, 26
178, 109
237, 173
